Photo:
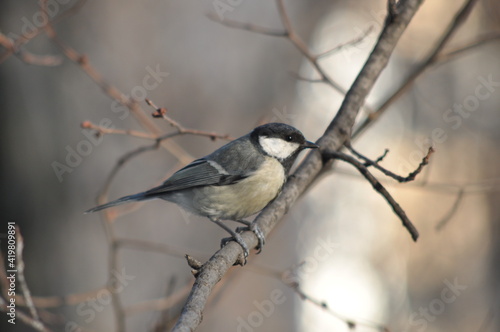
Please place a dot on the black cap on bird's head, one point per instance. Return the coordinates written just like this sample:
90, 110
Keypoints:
280, 141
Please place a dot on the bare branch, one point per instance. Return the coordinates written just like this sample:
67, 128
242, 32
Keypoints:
429, 60
24, 318
22, 280
379, 159
381, 190
106, 130
399, 178
149, 246
290, 279
113, 266
247, 26
289, 34
59, 301
161, 112
159, 304
165, 320
460, 50
33, 321
351, 324
349, 43
333, 139
24, 38
27, 57
284, 17
306, 79
83, 62
452, 212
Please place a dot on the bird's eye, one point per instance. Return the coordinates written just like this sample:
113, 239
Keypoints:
289, 138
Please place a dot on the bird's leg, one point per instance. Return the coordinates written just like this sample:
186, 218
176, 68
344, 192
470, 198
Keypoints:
235, 237
253, 227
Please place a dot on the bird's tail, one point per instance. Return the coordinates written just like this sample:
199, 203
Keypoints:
119, 201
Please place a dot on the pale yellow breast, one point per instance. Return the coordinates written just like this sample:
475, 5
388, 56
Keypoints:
248, 196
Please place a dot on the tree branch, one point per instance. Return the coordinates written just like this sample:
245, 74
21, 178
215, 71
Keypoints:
27, 57
460, 50
380, 189
399, 178
22, 281
288, 33
333, 139
431, 59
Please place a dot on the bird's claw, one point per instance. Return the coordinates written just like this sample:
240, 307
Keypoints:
257, 231
243, 258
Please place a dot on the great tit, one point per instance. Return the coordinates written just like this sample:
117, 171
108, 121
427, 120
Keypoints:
235, 181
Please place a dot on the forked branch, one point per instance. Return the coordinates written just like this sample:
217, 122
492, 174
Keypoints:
337, 133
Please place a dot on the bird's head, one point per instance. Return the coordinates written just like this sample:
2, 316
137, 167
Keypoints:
280, 141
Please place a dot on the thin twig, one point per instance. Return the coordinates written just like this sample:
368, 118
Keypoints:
165, 320
379, 159
454, 208
349, 43
106, 130
26, 37
290, 278
299, 77
287, 33
399, 178
149, 246
429, 60
27, 57
159, 304
22, 280
83, 62
24, 318
34, 320
113, 266
467, 47
471, 188
60, 301
380, 189
351, 324
161, 112
247, 26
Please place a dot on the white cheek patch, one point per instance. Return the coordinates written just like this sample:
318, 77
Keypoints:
278, 148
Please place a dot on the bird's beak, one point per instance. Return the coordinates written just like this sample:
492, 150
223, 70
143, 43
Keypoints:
310, 145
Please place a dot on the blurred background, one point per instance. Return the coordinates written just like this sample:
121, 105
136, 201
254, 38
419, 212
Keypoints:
341, 243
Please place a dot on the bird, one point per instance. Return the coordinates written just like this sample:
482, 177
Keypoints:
234, 182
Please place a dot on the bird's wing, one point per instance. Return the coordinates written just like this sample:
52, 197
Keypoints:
201, 172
